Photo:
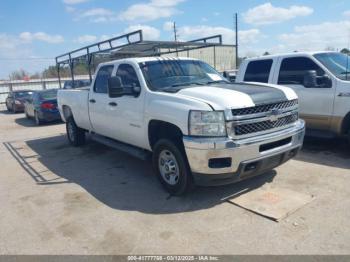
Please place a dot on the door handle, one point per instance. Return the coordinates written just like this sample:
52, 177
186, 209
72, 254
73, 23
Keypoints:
92, 101
112, 103
344, 94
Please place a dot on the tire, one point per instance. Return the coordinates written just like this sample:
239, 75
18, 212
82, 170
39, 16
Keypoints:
26, 113
76, 135
8, 108
38, 122
171, 167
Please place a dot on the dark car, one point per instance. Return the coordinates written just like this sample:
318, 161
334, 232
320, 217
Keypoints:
77, 83
42, 106
15, 100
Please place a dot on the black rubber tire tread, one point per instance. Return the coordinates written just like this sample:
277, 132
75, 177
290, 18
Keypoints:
185, 183
79, 133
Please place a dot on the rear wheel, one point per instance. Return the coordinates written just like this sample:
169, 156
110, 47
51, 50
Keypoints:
76, 135
38, 122
26, 113
171, 167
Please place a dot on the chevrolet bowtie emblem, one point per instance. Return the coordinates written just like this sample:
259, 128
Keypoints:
273, 114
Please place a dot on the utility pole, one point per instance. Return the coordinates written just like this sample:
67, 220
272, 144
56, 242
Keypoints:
175, 37
236, 35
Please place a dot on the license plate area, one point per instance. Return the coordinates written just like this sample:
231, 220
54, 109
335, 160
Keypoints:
275, 144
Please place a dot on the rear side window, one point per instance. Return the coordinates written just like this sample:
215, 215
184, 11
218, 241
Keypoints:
293, 70
101, 82
258, 71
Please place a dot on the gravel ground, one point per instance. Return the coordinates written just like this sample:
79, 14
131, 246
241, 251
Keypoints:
56, 199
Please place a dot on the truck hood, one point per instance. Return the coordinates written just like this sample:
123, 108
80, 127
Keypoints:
239, 95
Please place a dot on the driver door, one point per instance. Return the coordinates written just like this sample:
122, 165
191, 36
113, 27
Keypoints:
315, 103
125, 115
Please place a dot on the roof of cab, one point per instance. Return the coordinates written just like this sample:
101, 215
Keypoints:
147, 59
309, 53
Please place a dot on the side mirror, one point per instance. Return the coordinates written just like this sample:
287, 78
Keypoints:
310, 79
115, 87
326, 81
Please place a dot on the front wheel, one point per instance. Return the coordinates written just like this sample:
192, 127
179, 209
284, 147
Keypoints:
76, 135
171, 166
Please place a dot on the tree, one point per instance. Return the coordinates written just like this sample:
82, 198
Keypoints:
266, 53
345, 51
18, 75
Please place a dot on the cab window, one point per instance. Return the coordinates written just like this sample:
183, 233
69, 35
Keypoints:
101, 82
293, 70
258, 71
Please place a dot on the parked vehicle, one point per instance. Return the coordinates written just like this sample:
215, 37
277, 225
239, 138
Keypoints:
230, 75
15, 100
69, 84
321, 80
200, 128
42, 106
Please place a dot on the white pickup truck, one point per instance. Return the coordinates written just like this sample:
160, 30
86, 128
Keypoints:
200, 128
321, 81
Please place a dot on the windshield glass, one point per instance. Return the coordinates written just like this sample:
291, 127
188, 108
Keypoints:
172, 75
47, 95
337, 63
23, 94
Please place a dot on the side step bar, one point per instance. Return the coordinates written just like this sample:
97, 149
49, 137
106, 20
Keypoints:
129, 149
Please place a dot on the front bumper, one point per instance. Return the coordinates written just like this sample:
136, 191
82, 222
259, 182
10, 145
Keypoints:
217, 161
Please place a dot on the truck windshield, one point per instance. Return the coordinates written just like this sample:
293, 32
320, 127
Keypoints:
337, 63
172, 75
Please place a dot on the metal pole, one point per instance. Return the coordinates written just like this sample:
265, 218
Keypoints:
58, 72
175, 38
236, 29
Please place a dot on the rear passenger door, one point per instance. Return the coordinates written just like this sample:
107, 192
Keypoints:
315, 103
258, 71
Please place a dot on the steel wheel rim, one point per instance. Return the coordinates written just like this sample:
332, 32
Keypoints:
168, 167
70, 130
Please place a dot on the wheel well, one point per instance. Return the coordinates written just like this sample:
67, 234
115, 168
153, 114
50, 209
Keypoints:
346, 124
67, 112
159, 129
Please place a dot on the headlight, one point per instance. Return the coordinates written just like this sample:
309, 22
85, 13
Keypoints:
207, 123
17, 102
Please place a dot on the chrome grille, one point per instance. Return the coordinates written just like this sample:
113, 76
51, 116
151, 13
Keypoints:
245, 129
264, 108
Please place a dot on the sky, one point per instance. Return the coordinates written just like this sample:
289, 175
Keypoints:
33, 32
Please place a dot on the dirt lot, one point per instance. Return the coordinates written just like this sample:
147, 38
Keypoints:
56, 199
